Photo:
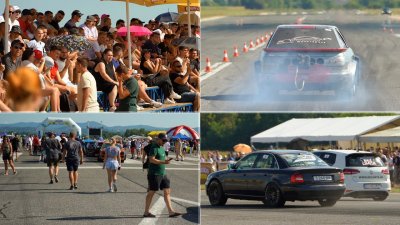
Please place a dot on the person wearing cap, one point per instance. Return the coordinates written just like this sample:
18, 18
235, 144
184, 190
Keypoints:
157, 178
15, 34
92, 35
73, 157
105, 23
128, 90
152, 24
26, 23
14, 14
52, 148
33, 59
181, 83
55, 22
12, 60
75, 18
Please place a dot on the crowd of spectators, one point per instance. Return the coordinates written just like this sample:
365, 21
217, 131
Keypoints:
38, 75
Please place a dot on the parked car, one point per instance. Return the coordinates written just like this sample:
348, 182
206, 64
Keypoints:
366, 176
308, 57
277, 176
102, 154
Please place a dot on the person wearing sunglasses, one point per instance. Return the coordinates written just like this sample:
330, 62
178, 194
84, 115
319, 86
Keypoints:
14, 14
12, 60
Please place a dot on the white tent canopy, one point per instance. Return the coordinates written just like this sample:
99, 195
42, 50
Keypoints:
325, 129
389, 135
61, 121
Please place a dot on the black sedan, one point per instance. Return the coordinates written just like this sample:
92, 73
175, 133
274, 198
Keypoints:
277, 176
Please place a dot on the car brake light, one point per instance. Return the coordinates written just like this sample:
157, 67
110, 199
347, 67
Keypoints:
347, 171
385, 171
297, 178
341, 174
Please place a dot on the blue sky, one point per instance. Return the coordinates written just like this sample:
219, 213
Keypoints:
89, 7
111, 119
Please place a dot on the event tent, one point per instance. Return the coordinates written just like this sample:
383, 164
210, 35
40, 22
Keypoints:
326, 129
389, 135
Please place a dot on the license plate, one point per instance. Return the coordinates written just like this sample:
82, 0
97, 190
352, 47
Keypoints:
322, 178
372, 186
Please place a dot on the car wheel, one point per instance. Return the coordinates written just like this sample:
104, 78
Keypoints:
216, 195
273, 196
327, 202
379, 198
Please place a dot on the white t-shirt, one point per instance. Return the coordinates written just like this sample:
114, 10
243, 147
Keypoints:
167, 146
15, 23
61, 65
88, 81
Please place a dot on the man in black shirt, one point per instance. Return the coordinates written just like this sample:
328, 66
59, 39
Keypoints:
152, 45
181, 84
73, 154
52, 147
57, 19
75, 18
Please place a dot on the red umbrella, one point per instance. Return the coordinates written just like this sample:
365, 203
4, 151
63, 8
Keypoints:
135, 31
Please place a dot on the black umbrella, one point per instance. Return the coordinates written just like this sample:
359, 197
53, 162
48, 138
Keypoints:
167, 17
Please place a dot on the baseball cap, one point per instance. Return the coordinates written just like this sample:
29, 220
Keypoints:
158, 31
38, 54
90, 18
16, 29
76, 12
48, 62
152, 21
163, 137
16, 8
104, 16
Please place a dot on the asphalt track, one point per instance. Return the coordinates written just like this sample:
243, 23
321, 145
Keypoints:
234, 89
347, 211
27, 198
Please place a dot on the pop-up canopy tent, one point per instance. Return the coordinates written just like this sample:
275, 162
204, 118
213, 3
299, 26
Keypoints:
61, 121
188, 131
326, 129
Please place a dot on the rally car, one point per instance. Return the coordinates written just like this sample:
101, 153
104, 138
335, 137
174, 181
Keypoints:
308, 57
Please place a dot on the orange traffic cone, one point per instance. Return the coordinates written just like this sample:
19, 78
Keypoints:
245, 48
262, 39
208, 67
236, 53
266, 36
257, 41
251, 44
225, 59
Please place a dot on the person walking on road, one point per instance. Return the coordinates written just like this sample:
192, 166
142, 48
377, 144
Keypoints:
7, 152
157, 178
112, 162
15, 142
52, 147
73, 156
396, 164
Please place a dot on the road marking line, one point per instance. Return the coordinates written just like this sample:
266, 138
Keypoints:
185, 201
99, 167
219, 66
157, 209
212, 18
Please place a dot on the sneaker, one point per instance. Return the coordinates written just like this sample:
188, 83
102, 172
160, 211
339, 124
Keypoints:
169, 101
139, 108
115, 187
71, 188
110, 190
175, 96
112, 109
51, 182
75, 186
156, 104
56, 179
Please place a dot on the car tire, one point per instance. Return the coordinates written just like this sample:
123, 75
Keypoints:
273, 196
216, 194
327, 202
379, 198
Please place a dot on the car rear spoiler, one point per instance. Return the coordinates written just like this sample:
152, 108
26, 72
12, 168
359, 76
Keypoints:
305, 49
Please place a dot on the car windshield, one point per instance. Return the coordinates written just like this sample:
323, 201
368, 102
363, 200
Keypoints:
307, 38
302, 160
364, 160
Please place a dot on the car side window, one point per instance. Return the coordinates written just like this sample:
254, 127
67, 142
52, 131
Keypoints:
341, 40
247, 162
266, 161
329, 158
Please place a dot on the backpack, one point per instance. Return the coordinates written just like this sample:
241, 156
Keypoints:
147, 151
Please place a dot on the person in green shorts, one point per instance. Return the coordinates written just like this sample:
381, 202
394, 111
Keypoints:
128, 90
156, 176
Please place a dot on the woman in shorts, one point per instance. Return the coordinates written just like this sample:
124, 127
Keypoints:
6, 150
112, 162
